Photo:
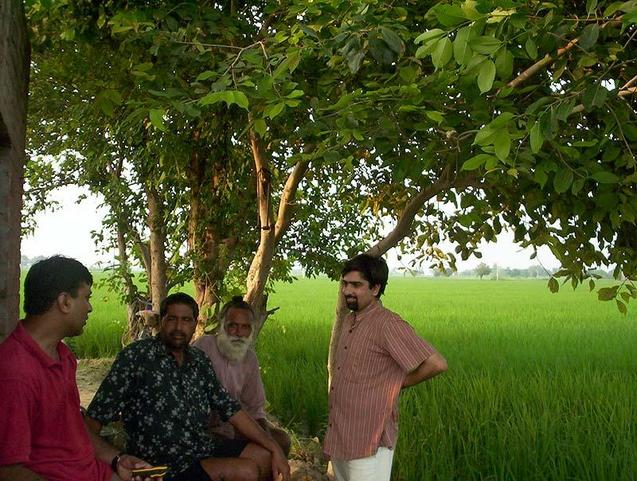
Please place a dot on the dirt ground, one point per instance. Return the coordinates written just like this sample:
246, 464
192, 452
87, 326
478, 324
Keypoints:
306, 461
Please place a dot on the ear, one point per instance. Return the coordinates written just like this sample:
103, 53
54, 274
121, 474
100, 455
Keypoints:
375, 290
63, 302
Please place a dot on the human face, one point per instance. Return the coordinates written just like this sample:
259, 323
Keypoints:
235, 337
78, 307
177, 327
357, 292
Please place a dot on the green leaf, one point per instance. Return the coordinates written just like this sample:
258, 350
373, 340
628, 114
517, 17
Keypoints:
537, 138
442, 53
605, 177
554, 286
562, 180
274, 110
485, 44
240, 99
461, 50
504, 64
260, 127
157, 118
591, 6
432, 34
591, 285
621, 306
594, 96
435, 115
486, 76
502, 144
531, 48
449, 15
589, 36
607, 293
484, 136
392, 40
355, 59
476, 161
289, 64
206, 75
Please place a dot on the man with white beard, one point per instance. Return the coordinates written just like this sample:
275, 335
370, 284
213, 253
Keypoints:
237, 368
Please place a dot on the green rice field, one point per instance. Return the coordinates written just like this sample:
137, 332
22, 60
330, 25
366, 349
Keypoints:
540, 386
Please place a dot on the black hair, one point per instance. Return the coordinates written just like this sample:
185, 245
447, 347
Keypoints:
373, 269
179, 298
238, 303
48, 278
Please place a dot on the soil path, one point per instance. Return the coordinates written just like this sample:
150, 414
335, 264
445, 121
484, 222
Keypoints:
305, 459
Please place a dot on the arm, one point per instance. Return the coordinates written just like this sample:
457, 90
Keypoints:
107, 452
430, 367
17, 472
249, 427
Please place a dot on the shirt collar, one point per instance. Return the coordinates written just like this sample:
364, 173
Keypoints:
25, 339
357, 316
163, 349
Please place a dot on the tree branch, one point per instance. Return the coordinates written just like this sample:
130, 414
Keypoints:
541, 64
262, 173
287, 199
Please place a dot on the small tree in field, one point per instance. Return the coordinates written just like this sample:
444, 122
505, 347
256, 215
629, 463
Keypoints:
482, 270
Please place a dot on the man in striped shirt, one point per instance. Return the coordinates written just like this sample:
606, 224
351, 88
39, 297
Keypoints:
378, 354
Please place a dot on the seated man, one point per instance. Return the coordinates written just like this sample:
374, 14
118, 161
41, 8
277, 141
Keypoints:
42, 433
237, 367
165, 391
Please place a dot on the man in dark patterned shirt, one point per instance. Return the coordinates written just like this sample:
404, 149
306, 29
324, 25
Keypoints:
164, 391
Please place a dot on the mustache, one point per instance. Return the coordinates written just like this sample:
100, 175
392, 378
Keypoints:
177, 334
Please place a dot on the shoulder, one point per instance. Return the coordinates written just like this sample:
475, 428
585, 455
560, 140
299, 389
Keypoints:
17, 362
206, 343
138, 350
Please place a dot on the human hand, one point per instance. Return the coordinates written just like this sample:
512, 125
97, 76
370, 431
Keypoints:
280, 466
127, 463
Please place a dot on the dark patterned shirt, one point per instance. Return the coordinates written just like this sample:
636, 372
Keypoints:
165, 407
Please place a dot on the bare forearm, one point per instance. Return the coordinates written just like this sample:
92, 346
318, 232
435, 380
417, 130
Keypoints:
253, 431
18, 472
103, 450
431, 367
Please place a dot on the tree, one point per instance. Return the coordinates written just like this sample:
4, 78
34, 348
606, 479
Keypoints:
482, 270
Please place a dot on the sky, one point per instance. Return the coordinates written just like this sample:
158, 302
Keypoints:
67, 231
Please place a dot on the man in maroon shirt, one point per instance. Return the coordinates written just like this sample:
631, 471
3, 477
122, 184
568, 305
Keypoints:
42, 432
378, 354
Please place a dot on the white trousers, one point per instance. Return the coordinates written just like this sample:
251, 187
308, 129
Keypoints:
372, 468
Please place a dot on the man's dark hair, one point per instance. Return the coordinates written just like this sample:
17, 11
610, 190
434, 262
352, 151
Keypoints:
48, 278
373, 269
179, 298
239, 303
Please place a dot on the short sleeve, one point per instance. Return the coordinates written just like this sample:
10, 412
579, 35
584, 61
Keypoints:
18, 409
110, 398
405, 346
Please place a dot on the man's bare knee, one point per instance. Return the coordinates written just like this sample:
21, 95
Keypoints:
261, 457
230, 469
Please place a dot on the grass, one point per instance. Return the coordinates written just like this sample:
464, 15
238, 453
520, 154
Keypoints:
540, 386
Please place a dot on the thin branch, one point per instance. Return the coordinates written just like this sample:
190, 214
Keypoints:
629, 83
541, 64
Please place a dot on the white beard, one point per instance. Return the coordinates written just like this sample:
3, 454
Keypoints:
233, 348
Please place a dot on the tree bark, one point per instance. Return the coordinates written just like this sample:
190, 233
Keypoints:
157, 247
14, 82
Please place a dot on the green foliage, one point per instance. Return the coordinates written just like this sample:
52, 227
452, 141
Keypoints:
512, 112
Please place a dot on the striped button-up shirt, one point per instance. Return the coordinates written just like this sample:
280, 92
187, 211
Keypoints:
376, 351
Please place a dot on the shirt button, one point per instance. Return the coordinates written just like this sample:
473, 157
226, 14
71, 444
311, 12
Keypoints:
338, 368
351, 330
345, 347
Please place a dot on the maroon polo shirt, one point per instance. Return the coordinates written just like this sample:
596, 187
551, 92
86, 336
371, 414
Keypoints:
376, 351
41, 426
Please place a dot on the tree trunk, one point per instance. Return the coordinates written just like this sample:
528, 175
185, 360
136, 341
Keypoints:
270, 231
157, 247
14, 82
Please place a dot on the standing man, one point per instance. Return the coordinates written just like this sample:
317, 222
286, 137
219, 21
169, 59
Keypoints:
42, 433
237, 368
378, 354
164, 390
